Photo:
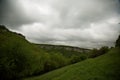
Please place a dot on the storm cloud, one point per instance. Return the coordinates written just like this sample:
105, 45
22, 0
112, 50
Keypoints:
82, 23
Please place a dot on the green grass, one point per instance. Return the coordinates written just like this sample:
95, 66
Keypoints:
105, 67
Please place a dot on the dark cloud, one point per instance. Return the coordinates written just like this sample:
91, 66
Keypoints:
12, 14
83, 23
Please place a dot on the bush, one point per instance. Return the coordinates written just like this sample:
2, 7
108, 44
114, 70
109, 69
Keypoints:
13, 61
53, 61
98, 52
75, 58
17, 57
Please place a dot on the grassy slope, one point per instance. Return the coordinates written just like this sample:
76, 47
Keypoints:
105, 67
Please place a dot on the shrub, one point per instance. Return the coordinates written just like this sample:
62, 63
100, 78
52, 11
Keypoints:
75, 58
97, 52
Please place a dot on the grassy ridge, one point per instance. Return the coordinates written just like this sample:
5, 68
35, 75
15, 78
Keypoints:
105, 67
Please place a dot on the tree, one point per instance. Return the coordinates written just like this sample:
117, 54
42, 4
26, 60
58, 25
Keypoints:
118, 42
98, 52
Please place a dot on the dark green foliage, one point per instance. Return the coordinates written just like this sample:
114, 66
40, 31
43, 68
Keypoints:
103, 50
54, 61
2, 27
118, 42
75, 58
97, 52
15, 56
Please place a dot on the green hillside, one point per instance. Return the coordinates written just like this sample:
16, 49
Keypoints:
20, 58
104, 67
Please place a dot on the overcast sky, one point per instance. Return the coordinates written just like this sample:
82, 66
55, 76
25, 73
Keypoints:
82, 23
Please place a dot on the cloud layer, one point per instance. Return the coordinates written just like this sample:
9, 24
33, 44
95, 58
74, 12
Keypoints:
82, 23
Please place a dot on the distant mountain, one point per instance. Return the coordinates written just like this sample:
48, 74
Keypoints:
68, 48
67, 51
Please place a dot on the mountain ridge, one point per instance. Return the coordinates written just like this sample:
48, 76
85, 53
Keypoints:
66, 47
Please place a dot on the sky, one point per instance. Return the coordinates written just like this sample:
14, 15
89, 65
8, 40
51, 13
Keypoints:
81, 23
